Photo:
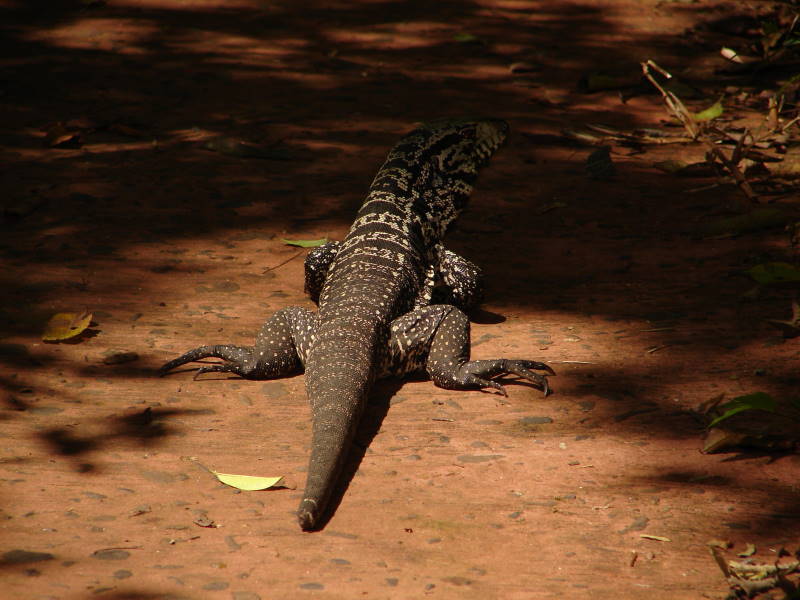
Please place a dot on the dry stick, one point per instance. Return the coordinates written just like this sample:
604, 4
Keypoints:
291, 258
695, 131
674, 103
732, 164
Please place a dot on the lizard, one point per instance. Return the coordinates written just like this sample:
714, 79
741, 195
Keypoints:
376, 294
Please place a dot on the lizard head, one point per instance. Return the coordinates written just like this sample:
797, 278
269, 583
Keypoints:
459, 147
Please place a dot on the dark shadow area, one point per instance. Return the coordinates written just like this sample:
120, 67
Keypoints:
147, 428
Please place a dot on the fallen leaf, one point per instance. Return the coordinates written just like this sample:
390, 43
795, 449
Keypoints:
755, 401
247, 483
719, 438
774, 272
204, 522
544, 208
466, 38
658, 538
749, 550
790, 328
522, 67
305, 243
712, 112
235, 147
65, 326
58, 135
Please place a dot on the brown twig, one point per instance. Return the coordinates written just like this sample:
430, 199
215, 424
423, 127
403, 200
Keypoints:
699, 132
672, 101
291, 258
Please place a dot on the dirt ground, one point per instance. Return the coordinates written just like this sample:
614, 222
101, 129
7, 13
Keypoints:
114, 202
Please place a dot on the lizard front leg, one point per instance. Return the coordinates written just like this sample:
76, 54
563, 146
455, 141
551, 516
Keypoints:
436, 338
459, 281
280, 349
317, 263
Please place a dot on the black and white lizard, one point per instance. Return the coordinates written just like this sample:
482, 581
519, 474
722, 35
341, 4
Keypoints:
378, 293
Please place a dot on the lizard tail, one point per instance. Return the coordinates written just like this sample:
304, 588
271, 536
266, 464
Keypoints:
337, 398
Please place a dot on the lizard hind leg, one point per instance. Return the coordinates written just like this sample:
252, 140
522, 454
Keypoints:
438, 336
279, 350
239, 360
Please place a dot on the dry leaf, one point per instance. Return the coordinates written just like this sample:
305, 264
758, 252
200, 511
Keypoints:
749, 550
58, 135
65, 326
658, 538
718, 439
247, 483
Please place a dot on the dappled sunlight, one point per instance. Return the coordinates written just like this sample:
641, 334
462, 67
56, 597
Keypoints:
209, 6
127, 36
160, 153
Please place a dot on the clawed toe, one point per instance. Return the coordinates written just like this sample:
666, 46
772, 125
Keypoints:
536, 366
522, 368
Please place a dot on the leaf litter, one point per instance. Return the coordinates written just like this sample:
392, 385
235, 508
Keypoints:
66, 326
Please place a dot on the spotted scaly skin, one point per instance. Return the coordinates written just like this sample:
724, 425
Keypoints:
378, 292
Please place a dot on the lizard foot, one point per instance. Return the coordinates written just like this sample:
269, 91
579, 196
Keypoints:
478, 373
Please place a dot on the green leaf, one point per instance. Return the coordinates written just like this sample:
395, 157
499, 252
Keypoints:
774, 272
305, 243
712, 112
756, 401
466, 38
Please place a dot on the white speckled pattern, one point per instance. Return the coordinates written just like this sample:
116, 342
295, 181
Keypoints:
390, 299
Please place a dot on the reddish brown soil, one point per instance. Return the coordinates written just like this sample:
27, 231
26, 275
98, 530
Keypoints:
456, 495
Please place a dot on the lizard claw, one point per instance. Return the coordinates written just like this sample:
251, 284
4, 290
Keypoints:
522, 368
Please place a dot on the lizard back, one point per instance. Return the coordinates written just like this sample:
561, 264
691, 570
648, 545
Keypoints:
376, 277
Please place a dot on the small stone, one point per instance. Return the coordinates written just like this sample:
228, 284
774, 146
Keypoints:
312, 586
535, 420
122, 574
216, 585
245, 596
18, 557
456, 580
476, 458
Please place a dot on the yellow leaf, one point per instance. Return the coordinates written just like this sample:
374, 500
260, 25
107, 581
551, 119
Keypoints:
64, 326
658, 538
247, 482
